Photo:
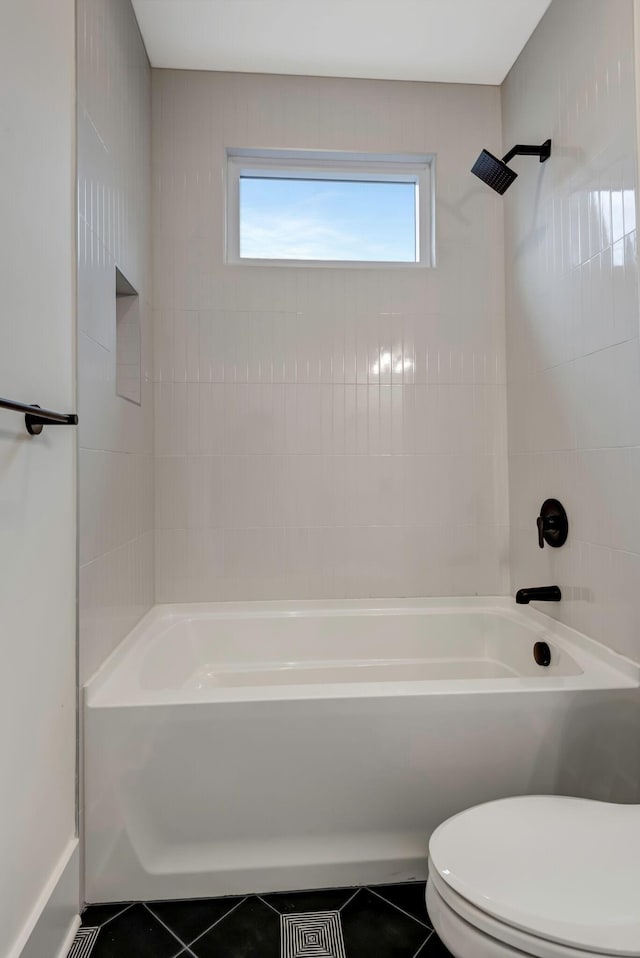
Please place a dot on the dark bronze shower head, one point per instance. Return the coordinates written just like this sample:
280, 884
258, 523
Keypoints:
493, 172
496, 174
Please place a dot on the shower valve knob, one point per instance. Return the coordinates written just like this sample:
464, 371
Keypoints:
545, 525
553, 524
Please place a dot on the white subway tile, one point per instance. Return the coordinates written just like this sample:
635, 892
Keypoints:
574, 432
319, 416
116, 474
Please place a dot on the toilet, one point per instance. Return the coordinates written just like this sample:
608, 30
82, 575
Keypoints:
539, 875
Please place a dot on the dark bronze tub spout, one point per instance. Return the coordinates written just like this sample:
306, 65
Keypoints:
546, 593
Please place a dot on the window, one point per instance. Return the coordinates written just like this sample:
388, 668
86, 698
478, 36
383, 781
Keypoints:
310, 208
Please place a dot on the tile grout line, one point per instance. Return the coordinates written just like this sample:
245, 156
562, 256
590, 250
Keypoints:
153, 915
280, 913
408, 914
117, 915
427, 939
349, 900
260, 898
217, 922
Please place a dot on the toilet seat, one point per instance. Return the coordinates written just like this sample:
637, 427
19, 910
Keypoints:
547, 875
489, 938
456, 920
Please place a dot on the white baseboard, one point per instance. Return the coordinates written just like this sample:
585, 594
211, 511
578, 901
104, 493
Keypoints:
54, 920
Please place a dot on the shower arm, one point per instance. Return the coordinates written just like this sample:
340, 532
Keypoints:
522, 149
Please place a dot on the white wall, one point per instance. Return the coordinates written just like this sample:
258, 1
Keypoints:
37, 475
285, 466
116, 436
572, 316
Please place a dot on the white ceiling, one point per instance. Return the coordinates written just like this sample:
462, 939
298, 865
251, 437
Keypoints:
454, 41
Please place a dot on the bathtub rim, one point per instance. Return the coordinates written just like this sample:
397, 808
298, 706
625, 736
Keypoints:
602, 668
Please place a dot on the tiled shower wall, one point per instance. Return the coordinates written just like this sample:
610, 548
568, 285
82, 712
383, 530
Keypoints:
286, 464
572, 316
116, 436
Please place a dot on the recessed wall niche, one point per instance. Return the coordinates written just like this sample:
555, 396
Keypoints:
127, 340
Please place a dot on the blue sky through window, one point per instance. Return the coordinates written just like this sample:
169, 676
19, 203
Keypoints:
327, 220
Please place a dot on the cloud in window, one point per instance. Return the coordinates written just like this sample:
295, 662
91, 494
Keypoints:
309, 220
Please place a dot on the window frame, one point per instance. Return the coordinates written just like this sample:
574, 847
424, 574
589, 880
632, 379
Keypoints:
332, 165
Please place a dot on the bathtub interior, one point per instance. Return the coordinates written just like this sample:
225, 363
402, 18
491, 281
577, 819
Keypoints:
226, 651
220, 650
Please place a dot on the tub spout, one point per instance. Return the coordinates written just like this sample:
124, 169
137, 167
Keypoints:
546, 593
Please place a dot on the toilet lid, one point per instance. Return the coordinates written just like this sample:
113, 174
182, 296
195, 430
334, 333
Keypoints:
564, 869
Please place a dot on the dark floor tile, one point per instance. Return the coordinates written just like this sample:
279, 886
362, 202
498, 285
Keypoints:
371, 926
135, 934
188, 919
289, 902
96, 915
409, 896
252, 930
434, 949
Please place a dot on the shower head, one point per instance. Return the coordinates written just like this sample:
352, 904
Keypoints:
496, 174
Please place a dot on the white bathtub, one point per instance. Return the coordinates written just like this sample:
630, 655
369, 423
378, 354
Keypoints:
257, 747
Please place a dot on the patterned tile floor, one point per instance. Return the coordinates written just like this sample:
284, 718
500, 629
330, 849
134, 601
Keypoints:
383, 921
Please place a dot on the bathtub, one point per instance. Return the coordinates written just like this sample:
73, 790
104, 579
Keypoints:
234, 748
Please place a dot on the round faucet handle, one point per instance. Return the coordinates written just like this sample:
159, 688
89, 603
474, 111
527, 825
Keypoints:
553, 524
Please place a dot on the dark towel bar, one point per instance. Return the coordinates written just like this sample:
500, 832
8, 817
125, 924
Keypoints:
34, 421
